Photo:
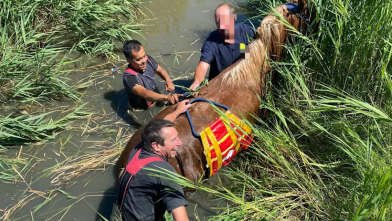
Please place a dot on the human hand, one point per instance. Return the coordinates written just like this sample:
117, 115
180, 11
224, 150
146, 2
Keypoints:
173, 98
169, 86
183, 106
194, 86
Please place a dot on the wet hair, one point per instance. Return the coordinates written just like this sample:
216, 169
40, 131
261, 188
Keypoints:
129, 46
153, 133
231, 8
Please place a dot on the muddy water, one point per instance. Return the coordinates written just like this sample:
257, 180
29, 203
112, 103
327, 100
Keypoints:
173, 38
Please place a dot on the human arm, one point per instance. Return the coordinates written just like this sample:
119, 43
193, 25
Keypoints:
179, 214
200, 74
206, 58
169, 86
181, 108
153, 96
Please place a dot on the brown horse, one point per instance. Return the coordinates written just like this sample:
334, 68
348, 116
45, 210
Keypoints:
237, 87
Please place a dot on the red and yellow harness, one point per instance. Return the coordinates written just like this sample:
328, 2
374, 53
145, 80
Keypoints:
223, 139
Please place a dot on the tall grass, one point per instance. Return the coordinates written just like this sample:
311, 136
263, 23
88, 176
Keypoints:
325, 151
36, 40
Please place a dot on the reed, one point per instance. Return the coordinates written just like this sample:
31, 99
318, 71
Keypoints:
324, 153
38, 41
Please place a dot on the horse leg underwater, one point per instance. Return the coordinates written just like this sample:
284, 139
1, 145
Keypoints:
239, 87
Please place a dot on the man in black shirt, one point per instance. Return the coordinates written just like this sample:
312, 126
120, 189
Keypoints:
139, 78
146, 197
223, 46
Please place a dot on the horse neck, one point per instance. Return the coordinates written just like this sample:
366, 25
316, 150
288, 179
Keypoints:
248, 72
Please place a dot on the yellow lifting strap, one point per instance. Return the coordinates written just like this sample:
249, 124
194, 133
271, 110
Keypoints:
223, 128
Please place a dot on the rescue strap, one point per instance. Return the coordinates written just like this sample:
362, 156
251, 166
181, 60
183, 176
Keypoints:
223, 139
189, 117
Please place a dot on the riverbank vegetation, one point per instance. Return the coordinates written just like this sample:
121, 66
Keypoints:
41, 45
324, 153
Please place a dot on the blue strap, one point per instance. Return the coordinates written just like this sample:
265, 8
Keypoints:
185, 95
292, 7
295, 8
189, 117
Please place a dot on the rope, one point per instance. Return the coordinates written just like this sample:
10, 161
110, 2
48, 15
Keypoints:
189, 117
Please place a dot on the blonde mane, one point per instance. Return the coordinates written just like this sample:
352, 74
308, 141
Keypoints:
249, 71
271, 35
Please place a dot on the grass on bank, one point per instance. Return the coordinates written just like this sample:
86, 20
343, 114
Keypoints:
27, 129
325, 151
100, 156
37, 42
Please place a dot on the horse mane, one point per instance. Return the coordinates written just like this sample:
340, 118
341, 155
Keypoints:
248, 72
271, 35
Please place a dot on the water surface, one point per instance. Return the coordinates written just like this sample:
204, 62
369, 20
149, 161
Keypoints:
173, 36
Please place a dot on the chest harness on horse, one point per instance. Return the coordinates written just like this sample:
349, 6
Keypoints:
223, 139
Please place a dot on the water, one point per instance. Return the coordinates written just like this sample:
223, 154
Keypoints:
173, 38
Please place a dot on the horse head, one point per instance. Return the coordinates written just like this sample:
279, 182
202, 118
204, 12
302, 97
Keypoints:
274, 32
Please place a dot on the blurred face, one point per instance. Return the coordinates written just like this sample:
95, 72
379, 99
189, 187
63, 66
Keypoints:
171, 144
225, 22
139, 60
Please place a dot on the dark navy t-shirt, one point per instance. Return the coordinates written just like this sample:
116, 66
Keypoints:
145, 79
220, 54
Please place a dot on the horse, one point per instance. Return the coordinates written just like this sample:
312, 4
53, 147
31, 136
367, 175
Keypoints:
238, 87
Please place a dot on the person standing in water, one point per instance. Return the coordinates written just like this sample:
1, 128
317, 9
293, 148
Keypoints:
223, 46
142, 195
139, 78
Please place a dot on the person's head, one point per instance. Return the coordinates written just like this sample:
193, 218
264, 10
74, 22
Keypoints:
161, 137
224, 20
135, 54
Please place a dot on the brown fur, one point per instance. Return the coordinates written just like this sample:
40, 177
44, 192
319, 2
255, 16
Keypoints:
237, 87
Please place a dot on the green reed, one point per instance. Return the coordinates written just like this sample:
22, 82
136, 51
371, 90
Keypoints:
37, 42
324, 153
